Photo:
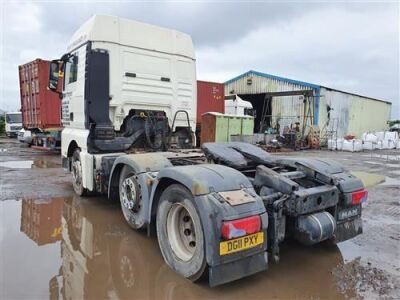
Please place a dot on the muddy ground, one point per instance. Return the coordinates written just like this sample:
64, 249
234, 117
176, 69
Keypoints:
56, 245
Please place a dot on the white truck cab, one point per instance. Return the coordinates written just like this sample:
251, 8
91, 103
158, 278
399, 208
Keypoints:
13, 123
234, 105
127, 82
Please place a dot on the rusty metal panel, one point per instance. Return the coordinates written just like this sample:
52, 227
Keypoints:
237, 197
214, 128
251, 83
210, 98
208, 128
40, 107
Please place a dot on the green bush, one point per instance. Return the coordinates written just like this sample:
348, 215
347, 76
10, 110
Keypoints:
393, 122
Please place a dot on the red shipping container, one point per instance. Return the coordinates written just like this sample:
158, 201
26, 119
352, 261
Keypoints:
40, 107
210, 98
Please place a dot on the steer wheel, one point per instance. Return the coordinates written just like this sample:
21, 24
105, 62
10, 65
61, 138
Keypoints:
76, 172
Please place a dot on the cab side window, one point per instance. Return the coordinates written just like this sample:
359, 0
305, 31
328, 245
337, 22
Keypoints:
71, 70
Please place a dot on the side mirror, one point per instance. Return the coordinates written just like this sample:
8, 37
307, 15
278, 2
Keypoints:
54, 75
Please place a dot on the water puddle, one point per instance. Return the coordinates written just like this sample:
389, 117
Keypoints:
389, 181
75, 248
30, 164
386, 156
17, 164
369, 179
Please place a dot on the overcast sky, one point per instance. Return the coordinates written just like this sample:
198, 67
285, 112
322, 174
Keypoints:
348, 46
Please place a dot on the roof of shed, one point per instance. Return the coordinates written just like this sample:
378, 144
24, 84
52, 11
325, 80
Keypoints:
297, 82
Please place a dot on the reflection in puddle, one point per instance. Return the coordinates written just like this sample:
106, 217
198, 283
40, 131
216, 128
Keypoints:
29, 164
90, 252
41, 220
17, 164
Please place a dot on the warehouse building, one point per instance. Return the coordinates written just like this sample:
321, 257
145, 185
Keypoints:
281, 102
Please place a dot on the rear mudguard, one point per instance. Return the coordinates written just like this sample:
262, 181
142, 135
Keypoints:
205, 182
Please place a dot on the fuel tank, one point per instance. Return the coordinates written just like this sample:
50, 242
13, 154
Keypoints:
315, 228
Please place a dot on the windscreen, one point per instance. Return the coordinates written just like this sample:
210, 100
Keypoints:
13, 118
249, 112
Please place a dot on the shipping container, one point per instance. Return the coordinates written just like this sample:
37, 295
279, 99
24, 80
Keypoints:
39, 106
210, 98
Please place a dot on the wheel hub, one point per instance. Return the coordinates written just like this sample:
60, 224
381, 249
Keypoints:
129, 194
77, 172
181, 232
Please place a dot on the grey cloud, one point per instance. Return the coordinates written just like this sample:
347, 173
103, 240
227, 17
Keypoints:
317, 42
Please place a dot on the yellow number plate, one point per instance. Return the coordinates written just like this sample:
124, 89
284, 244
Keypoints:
242, 243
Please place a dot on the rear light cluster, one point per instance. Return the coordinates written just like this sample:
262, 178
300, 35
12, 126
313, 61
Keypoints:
240, 227
358, 197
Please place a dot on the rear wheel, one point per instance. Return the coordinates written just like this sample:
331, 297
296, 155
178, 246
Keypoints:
180, 233
76, 172
130, 196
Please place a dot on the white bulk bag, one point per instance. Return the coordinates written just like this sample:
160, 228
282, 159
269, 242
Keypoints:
352, 145
387, 144
368, 145
370, 137
391, 135
339, 144
380, 135
331, 144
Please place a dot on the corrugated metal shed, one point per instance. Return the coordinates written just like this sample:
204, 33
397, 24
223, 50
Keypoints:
352, 114
346, 116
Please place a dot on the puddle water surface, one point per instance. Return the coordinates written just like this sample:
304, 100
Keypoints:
78, 248
29, 164
17, 164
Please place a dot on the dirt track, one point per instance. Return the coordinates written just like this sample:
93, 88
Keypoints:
54, 244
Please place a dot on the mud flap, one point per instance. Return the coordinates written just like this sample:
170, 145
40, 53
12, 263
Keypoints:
238, 269
347, 230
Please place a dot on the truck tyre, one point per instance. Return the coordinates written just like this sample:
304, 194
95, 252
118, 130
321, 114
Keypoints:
130, 196
76, 171
180, 233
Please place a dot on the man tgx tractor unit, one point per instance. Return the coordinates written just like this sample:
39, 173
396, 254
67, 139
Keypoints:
129, 114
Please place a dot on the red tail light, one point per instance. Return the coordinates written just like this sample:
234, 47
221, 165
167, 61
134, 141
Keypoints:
358, 197
240, 227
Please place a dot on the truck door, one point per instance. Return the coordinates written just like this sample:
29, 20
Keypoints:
73, 105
